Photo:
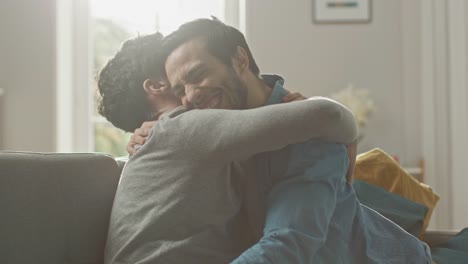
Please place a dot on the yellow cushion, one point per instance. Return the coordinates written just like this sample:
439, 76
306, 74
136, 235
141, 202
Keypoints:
378, 168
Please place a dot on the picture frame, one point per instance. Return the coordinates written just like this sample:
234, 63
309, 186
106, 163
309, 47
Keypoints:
341, 11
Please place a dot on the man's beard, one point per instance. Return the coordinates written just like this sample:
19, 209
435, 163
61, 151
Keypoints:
238, 90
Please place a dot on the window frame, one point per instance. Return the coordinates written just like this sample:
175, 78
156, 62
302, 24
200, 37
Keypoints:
74, 63
75, 126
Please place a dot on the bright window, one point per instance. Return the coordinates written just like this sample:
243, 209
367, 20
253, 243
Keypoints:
114, 21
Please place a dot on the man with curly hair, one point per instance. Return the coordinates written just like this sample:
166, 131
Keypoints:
120, 83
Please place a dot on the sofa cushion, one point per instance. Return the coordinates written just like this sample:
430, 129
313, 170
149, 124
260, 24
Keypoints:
55, 208
378, 168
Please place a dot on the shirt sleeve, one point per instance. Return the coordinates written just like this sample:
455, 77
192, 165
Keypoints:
238, 134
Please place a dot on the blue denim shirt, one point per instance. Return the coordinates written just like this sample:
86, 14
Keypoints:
313, 214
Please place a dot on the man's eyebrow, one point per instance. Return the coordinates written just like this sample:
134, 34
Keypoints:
194, 72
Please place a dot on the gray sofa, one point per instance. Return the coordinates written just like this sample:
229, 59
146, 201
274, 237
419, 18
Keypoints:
55, 207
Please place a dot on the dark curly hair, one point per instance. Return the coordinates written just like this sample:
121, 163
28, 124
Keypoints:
220, 39
123, 100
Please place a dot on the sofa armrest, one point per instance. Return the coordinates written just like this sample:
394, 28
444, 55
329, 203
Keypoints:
55, 207
434, 238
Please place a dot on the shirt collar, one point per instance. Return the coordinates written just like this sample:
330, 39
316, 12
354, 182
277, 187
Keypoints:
278, 92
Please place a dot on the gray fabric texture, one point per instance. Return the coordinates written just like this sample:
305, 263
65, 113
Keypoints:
55, 208
178, 200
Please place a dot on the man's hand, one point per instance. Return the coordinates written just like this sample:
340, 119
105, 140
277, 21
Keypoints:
352, 152
139, 137
293, 97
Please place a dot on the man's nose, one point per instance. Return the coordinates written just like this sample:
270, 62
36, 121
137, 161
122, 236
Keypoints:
186, 103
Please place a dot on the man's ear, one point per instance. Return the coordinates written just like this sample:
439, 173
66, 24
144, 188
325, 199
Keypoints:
152, 87
240, 61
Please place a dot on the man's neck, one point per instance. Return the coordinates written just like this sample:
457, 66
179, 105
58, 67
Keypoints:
258, 93
164, 105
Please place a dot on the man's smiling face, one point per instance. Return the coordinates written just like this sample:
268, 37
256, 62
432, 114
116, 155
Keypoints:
202, 81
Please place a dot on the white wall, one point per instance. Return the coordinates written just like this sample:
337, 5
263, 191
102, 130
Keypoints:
382, 56
27, 73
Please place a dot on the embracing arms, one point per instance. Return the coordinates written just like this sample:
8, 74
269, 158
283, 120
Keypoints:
237, 134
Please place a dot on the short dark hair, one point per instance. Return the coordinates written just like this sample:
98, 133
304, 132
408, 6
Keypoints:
123, 99
220, 39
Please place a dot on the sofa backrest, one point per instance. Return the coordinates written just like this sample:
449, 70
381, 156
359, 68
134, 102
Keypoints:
55, 208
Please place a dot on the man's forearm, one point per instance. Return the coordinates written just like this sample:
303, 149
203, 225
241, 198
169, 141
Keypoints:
236, 135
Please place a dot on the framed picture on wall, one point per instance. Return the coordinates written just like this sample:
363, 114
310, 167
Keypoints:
341, 11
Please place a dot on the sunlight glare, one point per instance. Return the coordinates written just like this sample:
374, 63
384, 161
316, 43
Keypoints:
147, 16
